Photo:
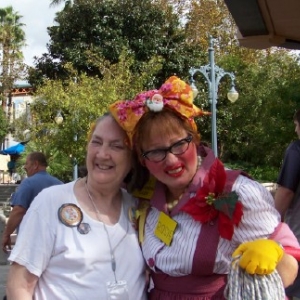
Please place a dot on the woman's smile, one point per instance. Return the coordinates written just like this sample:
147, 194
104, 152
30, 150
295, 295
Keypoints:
175, 172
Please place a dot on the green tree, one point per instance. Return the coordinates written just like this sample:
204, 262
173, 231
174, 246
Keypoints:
57, 2
106, 28
3, 125
80, 99
12, 39
257, 128
252, 132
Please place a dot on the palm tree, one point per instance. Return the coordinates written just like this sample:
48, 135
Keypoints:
12, 39
57, 2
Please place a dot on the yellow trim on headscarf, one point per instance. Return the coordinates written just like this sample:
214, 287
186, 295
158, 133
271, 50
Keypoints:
144, 195
147, 191
141, 215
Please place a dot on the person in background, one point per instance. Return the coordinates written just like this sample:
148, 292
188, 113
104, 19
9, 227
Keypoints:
195, 215
11, 166
38, 179
77, 240
287, 196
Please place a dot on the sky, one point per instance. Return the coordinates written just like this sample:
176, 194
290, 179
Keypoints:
37, 15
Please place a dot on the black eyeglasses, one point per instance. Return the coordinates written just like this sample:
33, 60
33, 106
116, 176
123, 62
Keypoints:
177, 148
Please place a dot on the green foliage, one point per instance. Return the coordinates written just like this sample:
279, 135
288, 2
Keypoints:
262, 126
58, 164
12, 39
4, 126
118, 48
80, 100
258, 126
105, 28
260, 173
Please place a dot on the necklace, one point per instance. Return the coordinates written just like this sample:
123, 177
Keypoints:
171, 205
199, 162
111, 249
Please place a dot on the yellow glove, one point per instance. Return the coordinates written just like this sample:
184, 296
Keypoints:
259, 256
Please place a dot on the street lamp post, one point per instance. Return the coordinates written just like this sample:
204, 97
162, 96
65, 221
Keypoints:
75, 166
59, 119
213, 74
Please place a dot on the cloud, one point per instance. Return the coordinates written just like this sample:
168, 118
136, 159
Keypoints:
37, 15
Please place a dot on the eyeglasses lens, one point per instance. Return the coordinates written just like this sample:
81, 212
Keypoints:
177, 148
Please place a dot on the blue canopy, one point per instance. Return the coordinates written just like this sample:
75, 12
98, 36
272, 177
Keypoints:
13, 150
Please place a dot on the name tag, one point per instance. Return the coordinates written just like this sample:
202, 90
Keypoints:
165, 228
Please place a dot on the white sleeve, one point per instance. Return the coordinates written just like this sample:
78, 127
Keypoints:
259, 220
260, 217
36, 237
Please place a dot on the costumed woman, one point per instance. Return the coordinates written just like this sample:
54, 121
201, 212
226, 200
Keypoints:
77, 241
197, 214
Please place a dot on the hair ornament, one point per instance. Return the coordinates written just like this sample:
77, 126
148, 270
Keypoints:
174, 94
156, 103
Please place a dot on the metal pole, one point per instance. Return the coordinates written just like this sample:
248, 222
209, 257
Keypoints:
75, 167
213, 97
213, 74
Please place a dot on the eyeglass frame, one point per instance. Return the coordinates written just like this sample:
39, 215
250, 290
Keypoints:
167, 150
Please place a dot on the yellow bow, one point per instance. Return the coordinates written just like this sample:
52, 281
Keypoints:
174, 94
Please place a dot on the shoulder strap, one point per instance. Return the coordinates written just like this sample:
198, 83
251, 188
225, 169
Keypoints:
231, 176
141, 215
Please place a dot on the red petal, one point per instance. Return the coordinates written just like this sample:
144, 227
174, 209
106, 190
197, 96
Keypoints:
217, 176
238, 213
225, 227
200, 210
202, 193
220, 177
202, 214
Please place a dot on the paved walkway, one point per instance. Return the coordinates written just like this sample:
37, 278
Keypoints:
3, 276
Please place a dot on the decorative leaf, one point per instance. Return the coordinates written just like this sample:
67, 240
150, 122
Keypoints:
226, 225
226, 203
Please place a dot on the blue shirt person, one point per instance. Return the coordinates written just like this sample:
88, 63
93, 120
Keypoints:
38, 179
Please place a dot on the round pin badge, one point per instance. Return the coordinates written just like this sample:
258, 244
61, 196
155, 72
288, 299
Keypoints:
70, 214
84, 228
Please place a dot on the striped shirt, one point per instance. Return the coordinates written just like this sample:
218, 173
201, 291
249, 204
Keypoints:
260, 218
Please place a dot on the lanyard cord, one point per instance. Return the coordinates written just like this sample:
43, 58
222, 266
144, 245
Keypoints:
111, 250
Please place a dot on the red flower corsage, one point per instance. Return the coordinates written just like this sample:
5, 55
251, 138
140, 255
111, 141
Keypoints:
211, 202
